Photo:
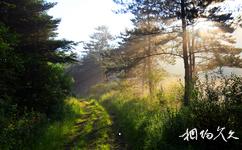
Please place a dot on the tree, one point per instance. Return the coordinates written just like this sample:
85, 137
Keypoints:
8, 67
99, 43
215, 47
145, 25
98, 47
39, 82
143, 39
187, 11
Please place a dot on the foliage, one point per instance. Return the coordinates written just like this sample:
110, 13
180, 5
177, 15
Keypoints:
54, 134
139, 120
146, 125
171, 95
139, 125
154, 18
58, 134
33, 130
99, 46
18, 130
212, 107
28, 79
225, 89
33, 84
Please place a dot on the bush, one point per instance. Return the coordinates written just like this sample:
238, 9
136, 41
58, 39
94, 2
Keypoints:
171, 95
18, 131
215, 103
147, 125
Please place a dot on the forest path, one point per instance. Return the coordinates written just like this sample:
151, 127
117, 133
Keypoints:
93, 130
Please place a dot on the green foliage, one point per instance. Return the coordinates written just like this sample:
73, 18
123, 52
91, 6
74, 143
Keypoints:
33, 130
171, 95
28, 79
32, 86
8, 66
146, 125
57, 134
212, 107
54, 134
18, 130
138, 120
99, 47
24, 119
226, 89
102, 88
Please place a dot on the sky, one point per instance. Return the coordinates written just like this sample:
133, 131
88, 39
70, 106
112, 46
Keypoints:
79, 18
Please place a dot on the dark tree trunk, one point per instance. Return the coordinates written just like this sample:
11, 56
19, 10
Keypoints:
192, 54
189, 38
185, 55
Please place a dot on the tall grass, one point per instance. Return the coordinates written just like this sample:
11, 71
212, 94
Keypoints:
85, 125
147, 124
141, 126
54, 135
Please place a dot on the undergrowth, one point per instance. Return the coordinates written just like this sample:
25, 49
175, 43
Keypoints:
54, 134
145, 123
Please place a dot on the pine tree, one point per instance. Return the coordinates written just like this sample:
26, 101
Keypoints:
39, 82
187, 11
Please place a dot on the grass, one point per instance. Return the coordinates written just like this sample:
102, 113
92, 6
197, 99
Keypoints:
147, 125
85, 125
139, 122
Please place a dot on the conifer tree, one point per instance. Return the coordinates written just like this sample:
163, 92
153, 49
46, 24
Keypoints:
39, 82
186, 11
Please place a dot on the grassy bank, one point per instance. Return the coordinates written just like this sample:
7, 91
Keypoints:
145, 123
139, 122
85, 125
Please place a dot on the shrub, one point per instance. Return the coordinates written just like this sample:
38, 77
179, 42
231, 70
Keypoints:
146, 125
170, 95
18, 131
214, 104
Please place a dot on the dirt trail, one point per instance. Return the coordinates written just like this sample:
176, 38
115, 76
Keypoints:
94, 130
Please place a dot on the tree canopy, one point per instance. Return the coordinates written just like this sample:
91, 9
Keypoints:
30, 74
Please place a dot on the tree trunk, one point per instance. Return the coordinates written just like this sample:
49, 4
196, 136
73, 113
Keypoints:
149, 63
193, 54
189, 38
144, 77
185, 55
150, 83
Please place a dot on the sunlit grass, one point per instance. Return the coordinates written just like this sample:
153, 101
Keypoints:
146, 124
58, 134
139, 121
55, 134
